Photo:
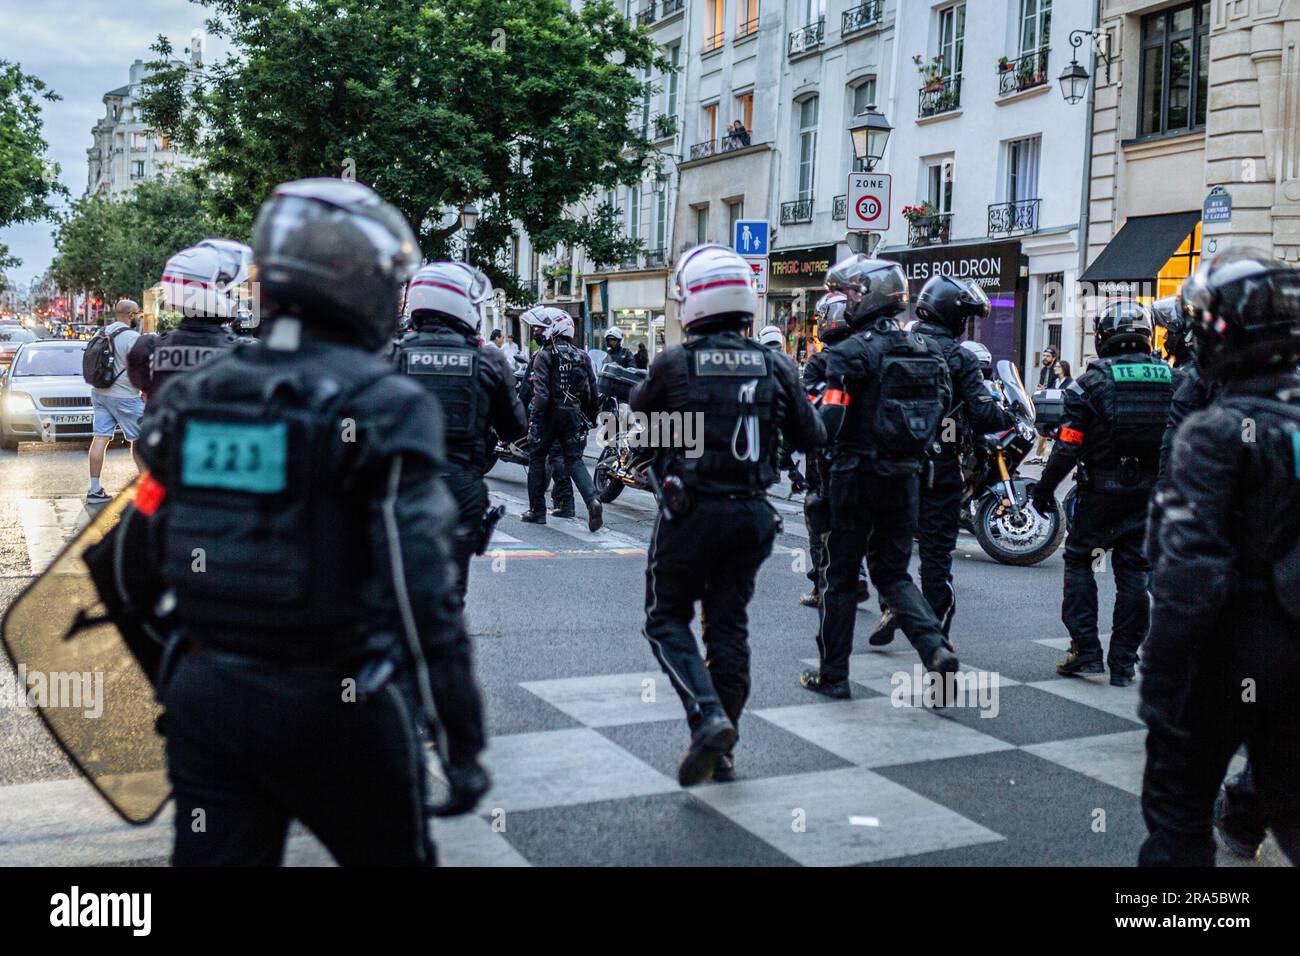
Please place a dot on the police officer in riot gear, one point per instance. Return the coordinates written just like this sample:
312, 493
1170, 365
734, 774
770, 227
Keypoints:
300, 531
474, 384
887, 391
615, 350
207, 285
832, 326
1114, 419
563, 401
540, 318
944, 308
1226, 590
715, 526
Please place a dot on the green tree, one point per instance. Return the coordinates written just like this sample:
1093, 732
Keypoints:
28, 180
117, 249
520, 106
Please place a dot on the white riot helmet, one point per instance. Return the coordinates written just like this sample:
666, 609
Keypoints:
771, 336
561, 328
713, 281
451, 289
981, 353
542, 317
614, 332
208, 280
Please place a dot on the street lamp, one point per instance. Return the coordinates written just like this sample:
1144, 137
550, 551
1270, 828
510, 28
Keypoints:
870, 132
1074, 78
468, 220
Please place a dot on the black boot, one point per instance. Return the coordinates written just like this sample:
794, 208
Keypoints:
595, 515
1075, 664
724, 770
563, 512
714, 737
884, 631
533, 517
812, 599
813, 681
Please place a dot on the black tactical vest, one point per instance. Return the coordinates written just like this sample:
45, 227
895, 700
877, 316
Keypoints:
569, 385
260, 540
731, 389
1133, 396
184, 349
447, 365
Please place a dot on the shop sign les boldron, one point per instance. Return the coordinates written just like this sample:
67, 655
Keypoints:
985, 270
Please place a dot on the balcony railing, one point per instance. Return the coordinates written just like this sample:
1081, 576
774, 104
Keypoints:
668, 7
714, 42
930, 230
941, 96
647, 15
1014, 218
839, 208
746, 28
654, 258
1023, 73
861, 17
716, 147
801, 210
807, 38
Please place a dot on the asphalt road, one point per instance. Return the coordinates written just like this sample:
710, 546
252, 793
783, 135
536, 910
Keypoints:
1034, 769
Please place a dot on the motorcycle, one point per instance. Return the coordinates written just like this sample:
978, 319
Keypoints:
623, 462
515, 451
995, 501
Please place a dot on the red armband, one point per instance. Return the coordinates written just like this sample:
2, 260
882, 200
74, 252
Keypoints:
1071, 436
149, 495
835, 396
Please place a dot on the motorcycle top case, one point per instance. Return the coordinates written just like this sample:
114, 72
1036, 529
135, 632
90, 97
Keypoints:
616, 381
1049, 408
81, 676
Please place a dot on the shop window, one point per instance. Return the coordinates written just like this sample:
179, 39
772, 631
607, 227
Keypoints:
1175, 69
1180, 265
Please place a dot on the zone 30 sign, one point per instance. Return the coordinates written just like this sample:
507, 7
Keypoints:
868, 202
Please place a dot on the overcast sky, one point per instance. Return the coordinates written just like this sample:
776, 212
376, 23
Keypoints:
83, 49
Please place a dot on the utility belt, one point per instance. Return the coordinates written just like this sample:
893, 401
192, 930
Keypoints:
371, 671
1129, 477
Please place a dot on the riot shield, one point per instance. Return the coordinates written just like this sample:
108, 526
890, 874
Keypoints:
81, 677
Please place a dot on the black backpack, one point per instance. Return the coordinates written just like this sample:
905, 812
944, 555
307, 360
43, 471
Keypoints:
99, 361
913, 394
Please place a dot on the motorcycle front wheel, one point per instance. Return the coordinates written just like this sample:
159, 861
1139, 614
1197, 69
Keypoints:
1017, 537
607, 486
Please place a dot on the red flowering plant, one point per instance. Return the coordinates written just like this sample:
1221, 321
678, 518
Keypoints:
913, 213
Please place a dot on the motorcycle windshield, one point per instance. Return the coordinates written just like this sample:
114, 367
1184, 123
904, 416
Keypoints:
1014, 389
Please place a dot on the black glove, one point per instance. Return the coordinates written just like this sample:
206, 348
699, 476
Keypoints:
468, 782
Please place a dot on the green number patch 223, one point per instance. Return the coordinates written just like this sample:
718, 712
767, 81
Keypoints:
251, 458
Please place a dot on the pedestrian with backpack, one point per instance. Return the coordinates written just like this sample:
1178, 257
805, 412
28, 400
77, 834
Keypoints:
887, 391
115, 402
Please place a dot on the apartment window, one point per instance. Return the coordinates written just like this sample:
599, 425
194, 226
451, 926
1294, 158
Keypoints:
701, 225
814, 10
710, 122
137, 169
674, 62
661, 216
807, 146
745, 110
952, 38
938, 180
1035, 25
864, 95
634, 213
1022, 169
713, 30
1175, 69
735, 213
746, 18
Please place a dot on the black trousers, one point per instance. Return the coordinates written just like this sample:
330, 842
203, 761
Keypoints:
470, 491
712, 556
561, 427
872, 517
1114, 524
938, 521
249, 750
1188, 753
557, 469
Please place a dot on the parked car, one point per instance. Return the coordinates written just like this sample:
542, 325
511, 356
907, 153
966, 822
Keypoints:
12, 336
43, 396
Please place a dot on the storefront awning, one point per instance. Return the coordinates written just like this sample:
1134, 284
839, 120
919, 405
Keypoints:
1141, 248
